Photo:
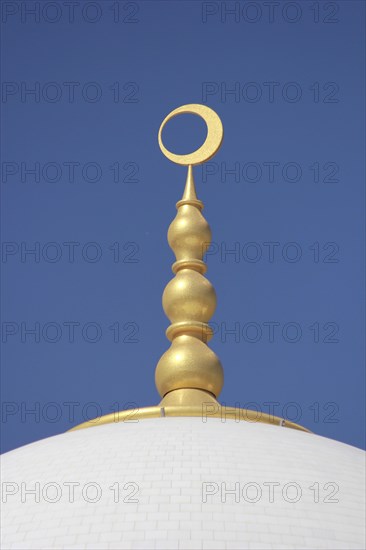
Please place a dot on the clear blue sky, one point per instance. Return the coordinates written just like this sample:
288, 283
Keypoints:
97, 208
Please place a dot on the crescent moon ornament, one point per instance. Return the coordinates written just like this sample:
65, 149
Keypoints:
215, 134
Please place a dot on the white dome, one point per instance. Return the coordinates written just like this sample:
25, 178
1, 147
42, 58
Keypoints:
172, 474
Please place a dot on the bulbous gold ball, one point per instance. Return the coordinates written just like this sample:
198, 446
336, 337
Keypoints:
189, 363
189, 233
189, 297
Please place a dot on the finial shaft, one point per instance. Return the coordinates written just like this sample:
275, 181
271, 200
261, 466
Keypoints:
189, 373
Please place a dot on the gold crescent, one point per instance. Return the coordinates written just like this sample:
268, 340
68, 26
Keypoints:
215, 134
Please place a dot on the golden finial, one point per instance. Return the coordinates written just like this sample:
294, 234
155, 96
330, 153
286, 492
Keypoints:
190, 373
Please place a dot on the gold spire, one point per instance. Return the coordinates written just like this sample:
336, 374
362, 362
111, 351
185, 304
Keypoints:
190, 373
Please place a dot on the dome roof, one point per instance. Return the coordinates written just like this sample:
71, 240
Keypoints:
180, 482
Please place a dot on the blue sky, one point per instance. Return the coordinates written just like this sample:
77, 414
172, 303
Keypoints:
85, 186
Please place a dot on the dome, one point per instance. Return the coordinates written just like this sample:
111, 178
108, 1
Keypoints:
183, 482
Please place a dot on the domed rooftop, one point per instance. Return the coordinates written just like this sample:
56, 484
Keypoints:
184, 482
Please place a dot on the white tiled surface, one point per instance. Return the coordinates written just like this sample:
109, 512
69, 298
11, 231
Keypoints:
169, 459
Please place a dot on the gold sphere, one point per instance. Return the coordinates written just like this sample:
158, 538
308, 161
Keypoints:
189, 296
189, 233
189, 363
